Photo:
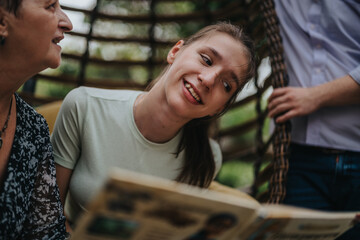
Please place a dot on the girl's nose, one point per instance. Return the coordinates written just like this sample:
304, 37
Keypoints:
208, 78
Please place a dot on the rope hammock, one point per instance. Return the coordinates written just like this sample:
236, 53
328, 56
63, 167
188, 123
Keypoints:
281, 136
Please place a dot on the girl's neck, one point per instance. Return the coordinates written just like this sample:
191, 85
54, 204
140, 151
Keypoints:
154, 118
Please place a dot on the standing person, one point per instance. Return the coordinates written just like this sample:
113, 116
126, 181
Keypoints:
322, 53
30, 206
163, 131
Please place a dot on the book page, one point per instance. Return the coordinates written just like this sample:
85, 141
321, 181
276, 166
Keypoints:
134, 206
279, 222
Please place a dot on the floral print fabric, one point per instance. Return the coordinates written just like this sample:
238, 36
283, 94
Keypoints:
30, 206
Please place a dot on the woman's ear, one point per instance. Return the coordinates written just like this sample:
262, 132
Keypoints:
3, 22
173, 51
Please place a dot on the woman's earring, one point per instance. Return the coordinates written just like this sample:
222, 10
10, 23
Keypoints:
2, 40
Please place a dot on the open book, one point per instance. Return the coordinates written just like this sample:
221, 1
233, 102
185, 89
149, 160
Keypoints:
133, 206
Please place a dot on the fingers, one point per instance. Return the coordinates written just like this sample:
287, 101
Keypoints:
280, 91
278, 102
277, 93
289, 102
279, 109
285, 117
282, 105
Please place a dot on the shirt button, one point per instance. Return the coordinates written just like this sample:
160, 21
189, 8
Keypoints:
317, 70
318, 46
312, 26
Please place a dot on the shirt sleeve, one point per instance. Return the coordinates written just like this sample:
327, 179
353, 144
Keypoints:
355, 74
66, 136
45, 219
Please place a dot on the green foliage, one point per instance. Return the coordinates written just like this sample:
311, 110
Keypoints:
236, 174
190, 28
52, 88
238, 115
172, 8
239, 173
69, 68
124, 7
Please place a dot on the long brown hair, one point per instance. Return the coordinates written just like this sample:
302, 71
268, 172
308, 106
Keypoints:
199, 166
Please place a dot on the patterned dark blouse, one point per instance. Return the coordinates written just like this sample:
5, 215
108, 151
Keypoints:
30, 206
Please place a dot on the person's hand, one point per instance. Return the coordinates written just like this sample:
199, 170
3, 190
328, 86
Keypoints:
288, 102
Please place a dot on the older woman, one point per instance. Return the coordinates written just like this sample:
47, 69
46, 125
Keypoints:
30, 207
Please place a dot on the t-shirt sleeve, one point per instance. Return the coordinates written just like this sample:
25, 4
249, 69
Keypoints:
215, 147
66, 137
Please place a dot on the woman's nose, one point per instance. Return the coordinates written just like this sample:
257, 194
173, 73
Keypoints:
64, 21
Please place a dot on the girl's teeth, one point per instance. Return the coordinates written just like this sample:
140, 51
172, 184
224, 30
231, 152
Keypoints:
193, 93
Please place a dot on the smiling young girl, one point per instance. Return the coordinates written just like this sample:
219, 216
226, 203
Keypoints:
163, 131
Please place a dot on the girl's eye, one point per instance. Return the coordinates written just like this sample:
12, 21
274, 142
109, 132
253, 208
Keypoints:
227, 86
206, 60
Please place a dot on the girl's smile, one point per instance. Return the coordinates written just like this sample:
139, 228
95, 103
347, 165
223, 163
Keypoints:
192, 93
203, 76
